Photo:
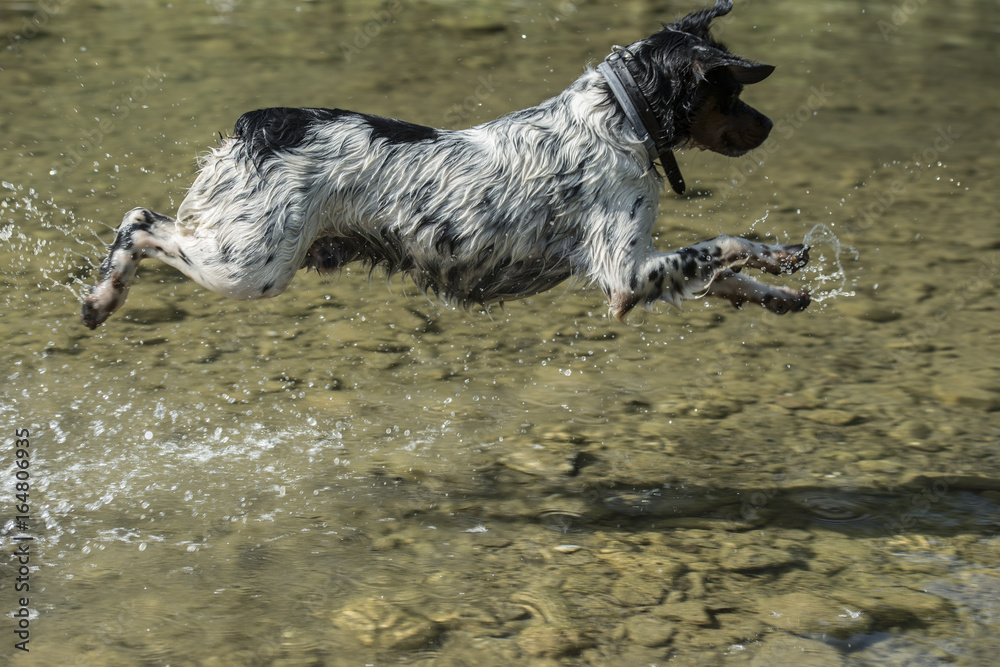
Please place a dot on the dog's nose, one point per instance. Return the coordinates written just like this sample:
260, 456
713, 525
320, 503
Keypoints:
759, 126
767, 125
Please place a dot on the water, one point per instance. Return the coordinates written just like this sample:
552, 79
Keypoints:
825, 255
354, 474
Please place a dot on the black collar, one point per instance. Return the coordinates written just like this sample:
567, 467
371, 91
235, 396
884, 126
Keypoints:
641, 115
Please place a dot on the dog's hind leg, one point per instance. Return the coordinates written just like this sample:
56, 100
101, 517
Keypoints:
144, 234
255, 270
138, 235
711, 268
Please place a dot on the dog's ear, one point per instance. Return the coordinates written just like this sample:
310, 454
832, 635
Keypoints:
747, 73
697, 23
743, 71
722, 7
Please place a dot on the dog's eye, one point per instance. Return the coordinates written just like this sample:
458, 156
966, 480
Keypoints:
734, 100
730, 89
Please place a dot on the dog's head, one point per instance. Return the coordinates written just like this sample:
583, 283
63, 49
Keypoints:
693, 84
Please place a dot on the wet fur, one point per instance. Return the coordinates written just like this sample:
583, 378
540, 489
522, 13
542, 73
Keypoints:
498, 211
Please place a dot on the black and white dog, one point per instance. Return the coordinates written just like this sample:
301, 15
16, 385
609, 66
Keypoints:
498, 211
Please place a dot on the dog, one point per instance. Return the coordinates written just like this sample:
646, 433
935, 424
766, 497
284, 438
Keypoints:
502, 210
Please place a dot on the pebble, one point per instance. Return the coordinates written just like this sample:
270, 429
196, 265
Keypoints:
797, 402
540, 460
692, 613
648, 631
830, 416
637, 591
781, 649
924, 446
567, 548
891, 605
756, 558
549, 641
386, 626
956, 391
709, 409
910, 430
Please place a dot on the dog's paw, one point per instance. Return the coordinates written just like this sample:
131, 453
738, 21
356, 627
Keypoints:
778, 259
92, 316
103, 300
740, 289
111, 290
786, 301
795, 257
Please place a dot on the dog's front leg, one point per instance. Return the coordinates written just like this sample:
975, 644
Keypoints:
711, 268
738, 289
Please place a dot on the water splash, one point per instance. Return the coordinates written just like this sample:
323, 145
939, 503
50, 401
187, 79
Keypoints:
828, 278
37, 239
760, 220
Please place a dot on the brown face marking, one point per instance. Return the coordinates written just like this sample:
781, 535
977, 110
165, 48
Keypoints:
708, 124
725, 124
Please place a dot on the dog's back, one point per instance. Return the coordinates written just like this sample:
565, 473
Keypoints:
494, 212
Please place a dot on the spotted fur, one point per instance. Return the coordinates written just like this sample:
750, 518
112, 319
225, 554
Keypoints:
502, 210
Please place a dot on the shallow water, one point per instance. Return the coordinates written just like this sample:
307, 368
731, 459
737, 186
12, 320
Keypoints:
352, 474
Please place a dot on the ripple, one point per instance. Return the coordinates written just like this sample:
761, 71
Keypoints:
834, 509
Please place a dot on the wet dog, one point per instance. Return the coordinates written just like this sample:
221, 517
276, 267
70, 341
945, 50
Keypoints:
503, 210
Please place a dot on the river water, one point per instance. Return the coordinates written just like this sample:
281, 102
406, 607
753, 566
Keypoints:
352, 474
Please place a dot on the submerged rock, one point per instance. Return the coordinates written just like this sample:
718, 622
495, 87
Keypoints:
387, 626
542, 460
692, 613
893, 605
636, 590
830, 416
649, 631
805, 613
781, 649
550, 641
757, 558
